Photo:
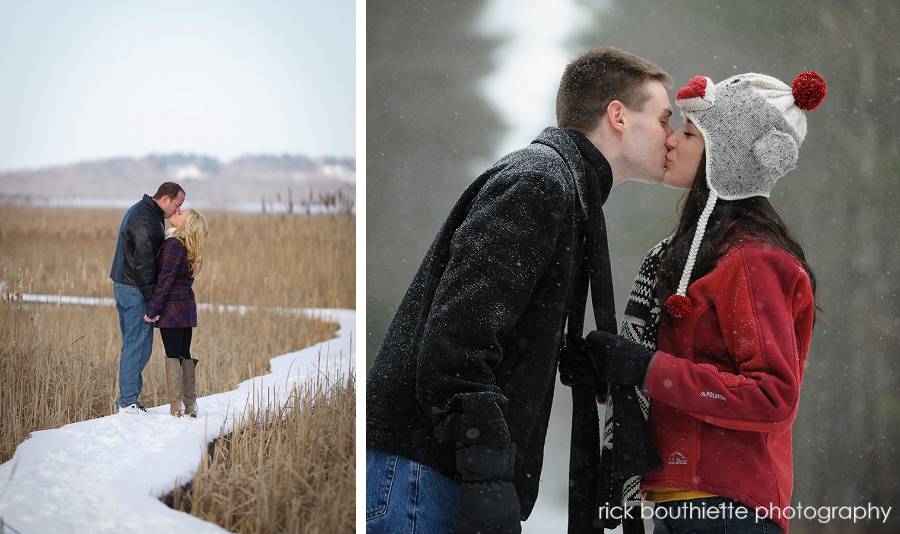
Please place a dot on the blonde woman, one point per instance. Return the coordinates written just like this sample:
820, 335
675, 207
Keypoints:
173, 308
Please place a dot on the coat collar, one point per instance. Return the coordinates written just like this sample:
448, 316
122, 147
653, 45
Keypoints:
152, 203
565, 143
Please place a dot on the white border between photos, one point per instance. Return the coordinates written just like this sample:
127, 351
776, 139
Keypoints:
361, 265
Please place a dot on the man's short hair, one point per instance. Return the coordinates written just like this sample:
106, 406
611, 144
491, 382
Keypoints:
168, 189
596, 78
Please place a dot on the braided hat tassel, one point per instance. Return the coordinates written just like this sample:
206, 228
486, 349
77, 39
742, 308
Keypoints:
679, 304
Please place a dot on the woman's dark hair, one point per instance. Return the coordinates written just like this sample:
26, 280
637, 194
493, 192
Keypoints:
752, 216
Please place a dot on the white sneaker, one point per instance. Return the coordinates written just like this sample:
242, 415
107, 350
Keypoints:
132, 409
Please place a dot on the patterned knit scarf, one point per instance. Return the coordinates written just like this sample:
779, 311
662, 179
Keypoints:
626, 404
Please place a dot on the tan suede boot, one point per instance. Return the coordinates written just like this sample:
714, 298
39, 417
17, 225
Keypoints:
190, 387
174, 382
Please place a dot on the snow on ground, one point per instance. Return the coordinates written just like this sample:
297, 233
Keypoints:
106, 474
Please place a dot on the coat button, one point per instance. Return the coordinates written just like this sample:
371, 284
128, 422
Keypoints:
472, 433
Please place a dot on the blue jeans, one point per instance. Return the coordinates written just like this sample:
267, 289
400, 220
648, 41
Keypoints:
403, 496
714, 515
137, 342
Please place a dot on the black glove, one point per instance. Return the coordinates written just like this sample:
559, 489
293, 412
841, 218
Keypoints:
575, 366
617, 359
488, 503
577, 369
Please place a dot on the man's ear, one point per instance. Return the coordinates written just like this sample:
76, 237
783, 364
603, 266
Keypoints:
615, 115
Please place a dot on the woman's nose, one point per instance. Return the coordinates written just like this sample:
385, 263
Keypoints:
670, 141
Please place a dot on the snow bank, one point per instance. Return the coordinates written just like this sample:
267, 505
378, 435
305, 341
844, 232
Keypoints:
106, 474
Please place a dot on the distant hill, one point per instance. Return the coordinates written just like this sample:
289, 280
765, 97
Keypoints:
253, 179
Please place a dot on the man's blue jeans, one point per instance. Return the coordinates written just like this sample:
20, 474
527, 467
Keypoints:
137, 342
403, 496
694, 517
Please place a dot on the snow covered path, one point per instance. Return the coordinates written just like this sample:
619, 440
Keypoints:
106, 474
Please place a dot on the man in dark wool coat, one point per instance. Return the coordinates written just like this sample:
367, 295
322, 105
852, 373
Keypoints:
458, 397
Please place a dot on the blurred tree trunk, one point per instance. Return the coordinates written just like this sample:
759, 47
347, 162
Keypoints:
858, 39
425, 124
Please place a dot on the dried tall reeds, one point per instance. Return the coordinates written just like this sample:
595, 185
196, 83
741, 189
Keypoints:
290, 470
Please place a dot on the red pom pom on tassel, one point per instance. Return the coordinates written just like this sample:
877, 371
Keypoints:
678, 306
809, 90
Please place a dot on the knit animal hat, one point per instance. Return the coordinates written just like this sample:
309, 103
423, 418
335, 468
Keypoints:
752, 127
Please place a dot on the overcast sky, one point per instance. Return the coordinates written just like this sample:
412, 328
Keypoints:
94, 79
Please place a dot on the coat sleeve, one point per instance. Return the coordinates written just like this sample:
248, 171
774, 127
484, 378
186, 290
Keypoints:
146, 246
497, 255
765, 306
173, 253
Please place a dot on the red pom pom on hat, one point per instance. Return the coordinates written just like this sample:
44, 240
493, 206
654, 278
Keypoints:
679, 306
809, 90
696, 88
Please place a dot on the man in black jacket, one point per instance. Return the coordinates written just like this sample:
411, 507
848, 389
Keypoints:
458, 397
134, 274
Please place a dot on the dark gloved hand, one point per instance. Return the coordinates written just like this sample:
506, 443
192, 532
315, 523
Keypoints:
575, 366
617, 359
577, 369
488, 503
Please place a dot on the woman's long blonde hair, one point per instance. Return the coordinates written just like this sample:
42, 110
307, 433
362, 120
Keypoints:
192, 233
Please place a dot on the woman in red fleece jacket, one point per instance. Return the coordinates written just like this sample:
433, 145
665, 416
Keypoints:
733, 338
